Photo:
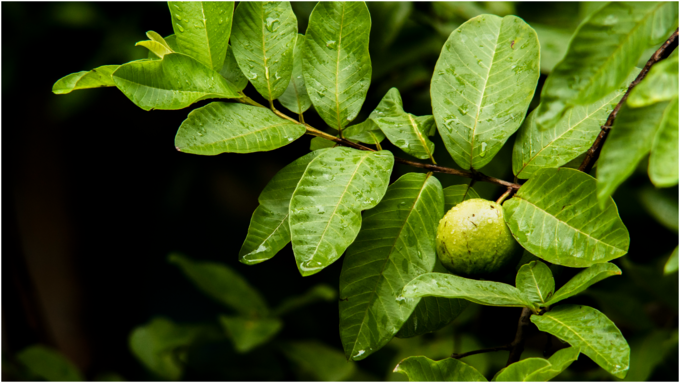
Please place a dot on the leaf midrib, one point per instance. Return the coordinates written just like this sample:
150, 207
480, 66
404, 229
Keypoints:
420, 136
240, 135
337, 70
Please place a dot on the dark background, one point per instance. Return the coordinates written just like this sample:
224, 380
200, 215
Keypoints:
95, 197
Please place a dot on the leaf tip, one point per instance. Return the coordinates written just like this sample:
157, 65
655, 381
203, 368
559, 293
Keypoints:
178, 148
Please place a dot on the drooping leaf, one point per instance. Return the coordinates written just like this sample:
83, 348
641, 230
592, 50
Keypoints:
671, 265
659, 84
422, 369
174, 82
586, 278
269, 230
222, 284
95, 78
45, 363
453, 195
536, 282
367, 132
231, 71
555, 216
318, 362
325, 210
663, 162
537, 369
263, 41
234, 128
202, 29
602, 53
482, 86
248, 333
318, 293
395, 244
662, 205
295, 97
588, 329
335, 64
320, 143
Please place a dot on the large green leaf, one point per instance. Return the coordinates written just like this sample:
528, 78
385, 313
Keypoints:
263, 41
482, 85
336, 64
537, 369
231, 71
317, 362
586, 278
295, 97
602, 53
248, 333
325, 210
95, 78
234, 128
629, 141
223, 284
395, 244
202, 29
536, 282
269, 230
555, 216
663, 162
588, 329
659, 84
48, 364
174, 82
453, 195
422, 369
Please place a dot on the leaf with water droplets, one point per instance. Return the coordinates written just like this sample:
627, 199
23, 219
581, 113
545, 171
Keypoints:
586, 278
295, 98
422, 369
482, 85
536, 282
95, 78
231, 71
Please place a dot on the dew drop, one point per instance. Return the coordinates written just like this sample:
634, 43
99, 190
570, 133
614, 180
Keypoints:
330, 44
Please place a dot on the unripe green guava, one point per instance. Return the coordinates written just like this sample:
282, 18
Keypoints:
473, 240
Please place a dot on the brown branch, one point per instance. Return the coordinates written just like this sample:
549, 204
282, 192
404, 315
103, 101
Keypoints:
517, 345
594, 152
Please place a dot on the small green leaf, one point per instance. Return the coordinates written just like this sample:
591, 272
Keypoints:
453, 195
568, 228
153, 36
231, 71
96, 78
295, 97
48, 364
586, 278
536, 282
662, 205
320, 143
588, 329
537, 369
174, 82
482, 85
659, 84
170, 41
155, 47
325, 210
367, 132
203, 29
318, 293
422, 369
663, 162
263, 41
247, 333
234, 128
336, 64
318, 362
672, 263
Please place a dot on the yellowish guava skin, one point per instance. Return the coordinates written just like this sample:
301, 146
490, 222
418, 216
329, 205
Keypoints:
474, 242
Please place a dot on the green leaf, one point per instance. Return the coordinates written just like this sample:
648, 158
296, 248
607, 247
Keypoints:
555, 216
395, 244
672, 263
202, 29
389, 17
295, 97
269, 230
246, 333
662, 205
95, 78
406, 131
629, 141
325, 210
648, 353
659, 84
155, 47
586, 278
588, 329
367, 132
537, 369
316, 361
318, 293
554, 43
589, 71
48, 364
320, 143
536, 282
231, 71
663, 162
222, 284
263, 41
452, 286
154, 36
453, 195
174, 82
170, 41
336, 64
482, 85
422, 369
234, 128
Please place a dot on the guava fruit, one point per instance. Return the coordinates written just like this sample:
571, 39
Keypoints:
474, 242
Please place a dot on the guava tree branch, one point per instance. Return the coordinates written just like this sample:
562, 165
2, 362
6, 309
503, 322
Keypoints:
594, 152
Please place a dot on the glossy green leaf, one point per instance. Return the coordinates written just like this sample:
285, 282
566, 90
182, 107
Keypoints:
269, 231
318, 293
174, 82
662, 205
671, 265
231, 71
586, 278
295, 97
453, 195
482, 85
325, 210
588, 329
320, 143
45, 363
395, 244
422, 369
234, 128
663, 162
263, 41
629, 141
452, 286
317, 361
660, 84
95, 78
537, 369
247, 333
367, 132
202, 29
336, 65
222, 284
555, 216
602, 53
536, 282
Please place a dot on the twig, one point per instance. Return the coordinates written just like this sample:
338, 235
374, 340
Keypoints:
517, 345
594, 152
504, 196
491, 349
